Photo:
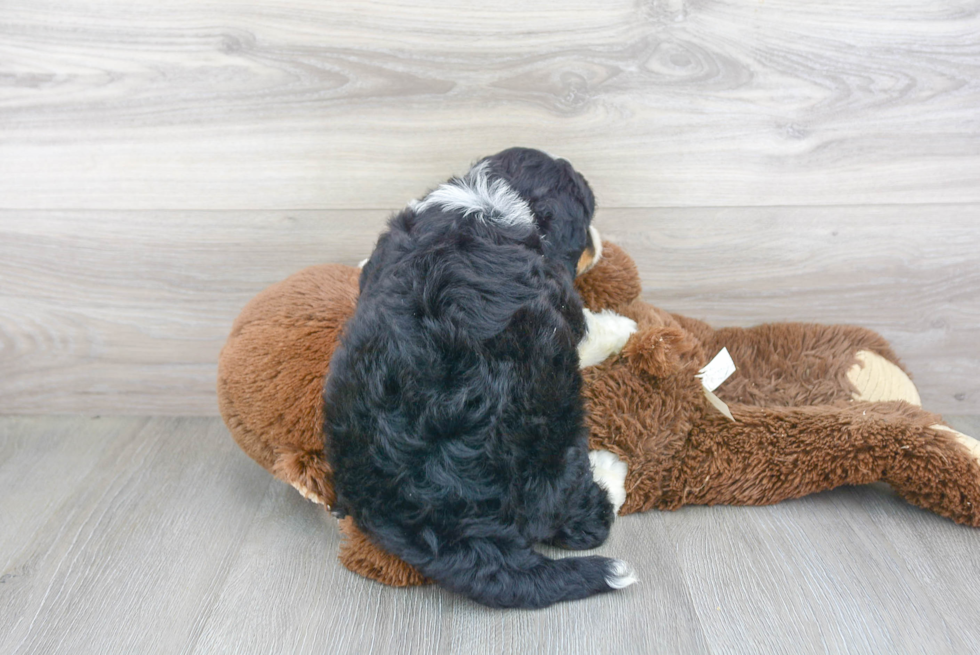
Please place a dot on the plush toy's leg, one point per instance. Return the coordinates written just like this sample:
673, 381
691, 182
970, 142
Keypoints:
794, 364
875, 379
772, 454
943, 477
360, 555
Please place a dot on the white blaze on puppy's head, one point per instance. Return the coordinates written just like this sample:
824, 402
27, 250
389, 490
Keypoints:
476, 193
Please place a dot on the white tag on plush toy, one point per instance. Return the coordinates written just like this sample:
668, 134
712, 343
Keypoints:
718, 404
717, 371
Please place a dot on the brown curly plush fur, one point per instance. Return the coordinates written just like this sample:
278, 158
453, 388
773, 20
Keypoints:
271, 371
358, 554
797, 429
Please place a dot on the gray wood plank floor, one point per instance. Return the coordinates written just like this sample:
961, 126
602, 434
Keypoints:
157, 535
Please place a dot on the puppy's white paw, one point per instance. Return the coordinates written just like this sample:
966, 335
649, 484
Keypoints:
609, 472
606, 334
363, 262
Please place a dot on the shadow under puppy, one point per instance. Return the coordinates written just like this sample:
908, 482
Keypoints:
458, 437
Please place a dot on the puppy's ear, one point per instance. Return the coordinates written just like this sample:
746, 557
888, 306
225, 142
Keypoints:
387, 243
612, 283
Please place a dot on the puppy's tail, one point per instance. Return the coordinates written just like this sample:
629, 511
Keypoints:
522, 577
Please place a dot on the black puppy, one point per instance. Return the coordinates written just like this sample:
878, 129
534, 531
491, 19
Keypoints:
454, 424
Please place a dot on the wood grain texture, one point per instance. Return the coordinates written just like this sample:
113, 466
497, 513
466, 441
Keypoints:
129, 557
125, 535
914, 542
344, 613
830, 578
126, 312
291, 104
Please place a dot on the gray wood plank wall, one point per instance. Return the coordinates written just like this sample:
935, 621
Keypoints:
160, 163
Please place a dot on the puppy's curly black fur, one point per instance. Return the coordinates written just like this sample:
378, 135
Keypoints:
453, 417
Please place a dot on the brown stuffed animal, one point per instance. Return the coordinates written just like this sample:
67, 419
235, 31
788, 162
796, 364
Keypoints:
814, 407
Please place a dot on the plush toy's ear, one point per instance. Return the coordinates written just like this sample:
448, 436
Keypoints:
612, 283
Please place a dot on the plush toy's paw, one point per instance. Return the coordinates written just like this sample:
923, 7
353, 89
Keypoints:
876, 379
607, 333
659, 351
609, 472
308, 493
306, 471
952, 487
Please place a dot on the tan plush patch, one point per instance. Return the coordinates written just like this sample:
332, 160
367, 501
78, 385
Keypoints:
971, 444
877, 380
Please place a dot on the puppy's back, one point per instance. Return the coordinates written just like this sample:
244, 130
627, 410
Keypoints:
453, 404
